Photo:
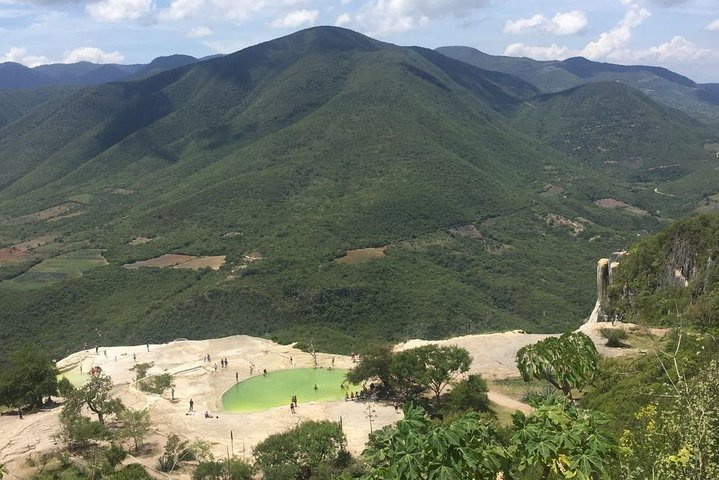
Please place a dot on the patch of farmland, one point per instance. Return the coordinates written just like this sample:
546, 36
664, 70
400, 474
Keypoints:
63, 267
361, 255
213, 262
64, 210
21, 252
178, 260
618, 204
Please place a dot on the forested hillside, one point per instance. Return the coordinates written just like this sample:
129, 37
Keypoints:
293, 157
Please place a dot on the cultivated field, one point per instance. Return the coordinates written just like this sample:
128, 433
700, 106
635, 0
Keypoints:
63, 267
177, 260
361, 255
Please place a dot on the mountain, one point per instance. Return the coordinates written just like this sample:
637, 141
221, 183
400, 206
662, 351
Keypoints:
609, 124
160, 64
359, 191
14, 76
14, 104
658, 83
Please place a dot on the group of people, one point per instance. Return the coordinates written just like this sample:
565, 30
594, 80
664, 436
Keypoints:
364, 394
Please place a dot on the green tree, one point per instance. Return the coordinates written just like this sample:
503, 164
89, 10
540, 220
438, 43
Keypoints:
430, 367
309, 450
141, 369
27, 379
77, 430
563, 441
567, 362
467, 395
419, 449
135, 425
96, 395
373, 364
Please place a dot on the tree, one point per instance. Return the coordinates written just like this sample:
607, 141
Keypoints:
77, 430
135, 425
308, 450
96, 394
562, 440
429, 368
418, 448
29, 377
141, 369
410, 373
567, 362
373, 364
468, 395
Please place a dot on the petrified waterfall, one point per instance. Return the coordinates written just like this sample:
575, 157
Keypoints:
605, 268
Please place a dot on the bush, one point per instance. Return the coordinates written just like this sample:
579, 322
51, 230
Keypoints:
614, 336
157, 384
134, 471
235, 469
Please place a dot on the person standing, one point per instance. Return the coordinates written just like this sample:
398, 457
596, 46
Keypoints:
237, 377
192, 406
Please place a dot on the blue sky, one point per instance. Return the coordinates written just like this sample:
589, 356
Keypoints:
682, 35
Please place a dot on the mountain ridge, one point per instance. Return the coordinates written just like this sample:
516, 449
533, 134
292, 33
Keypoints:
284, 157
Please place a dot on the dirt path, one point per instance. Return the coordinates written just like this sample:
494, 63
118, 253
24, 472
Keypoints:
505, 401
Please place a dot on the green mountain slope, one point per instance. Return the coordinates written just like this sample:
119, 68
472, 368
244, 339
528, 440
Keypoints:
14, 104
671, 278
609, 124
660, 84
284, 156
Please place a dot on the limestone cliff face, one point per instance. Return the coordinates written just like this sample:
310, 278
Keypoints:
605, 269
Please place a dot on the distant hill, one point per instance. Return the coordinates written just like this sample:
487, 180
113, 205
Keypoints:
450, 211
14, 76
160, 64
611, 125
660, 84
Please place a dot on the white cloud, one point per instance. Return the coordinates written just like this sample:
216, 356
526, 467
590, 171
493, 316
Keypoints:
678, 50
296, 19
387, 17
343, 20
199, 32
21, 55
611, 45
567, 23
551, 52
91, 54
180, 9
713, 26
119, 10
617, 38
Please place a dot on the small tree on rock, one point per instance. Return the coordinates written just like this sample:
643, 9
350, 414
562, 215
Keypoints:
567, 362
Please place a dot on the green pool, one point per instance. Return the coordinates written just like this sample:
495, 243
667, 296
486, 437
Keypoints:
276, 389
76, 378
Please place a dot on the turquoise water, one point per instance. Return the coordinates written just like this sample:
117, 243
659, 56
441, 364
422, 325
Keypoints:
276, 389
76, 378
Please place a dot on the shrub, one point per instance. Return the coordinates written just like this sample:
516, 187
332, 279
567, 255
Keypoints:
614, 336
